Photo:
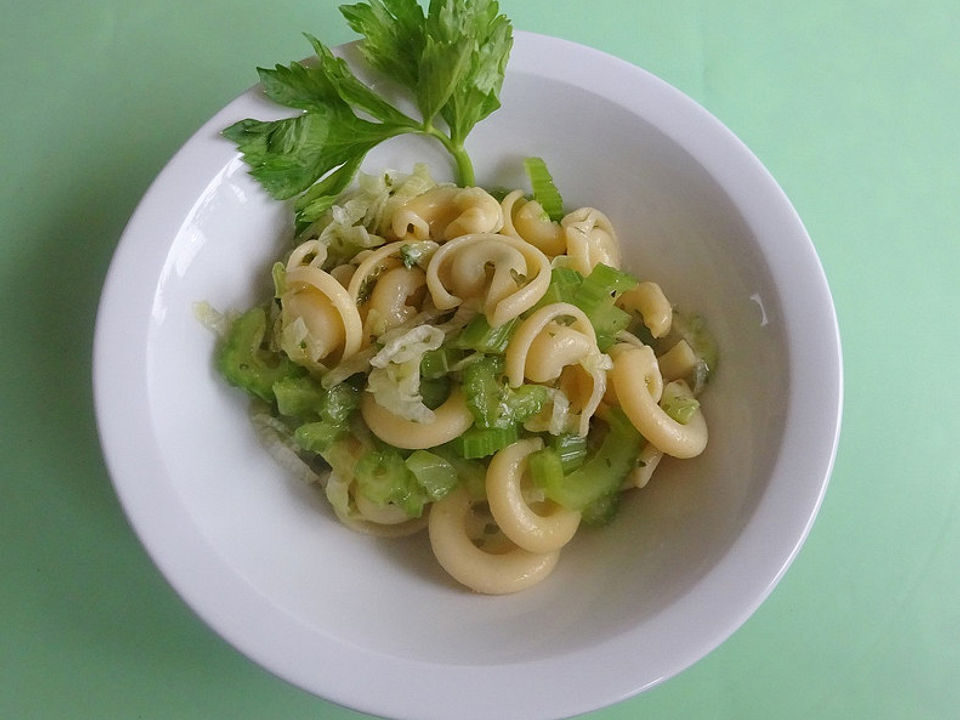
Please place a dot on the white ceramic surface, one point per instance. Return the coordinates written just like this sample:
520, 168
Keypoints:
375, 624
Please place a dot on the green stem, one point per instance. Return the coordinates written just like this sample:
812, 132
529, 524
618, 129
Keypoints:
465, 174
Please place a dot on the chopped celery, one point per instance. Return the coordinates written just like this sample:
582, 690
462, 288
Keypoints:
601, 511
544, 190
434, 474
564, 283
526, 401
298, 396
480, 442
303, 397
693, 328
600, 475
601, 286
493, 403
318, 436
437, 363
243, 361
607, 321
434, 392
679, 405
571, 448
472, 473
545, 467
340, 402
479, 336
384, 478
483, 391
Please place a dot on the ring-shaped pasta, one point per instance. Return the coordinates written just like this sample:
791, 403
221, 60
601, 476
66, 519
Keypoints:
526, 219
494, 574
310, 253
388, 301
373, 262
631, 364
327, 311
447, 212
528, 529
590, 239
451, 419
678, 362
354, 520
462, 264
515, 365
647, 462
380, 514
648, 299
343, 273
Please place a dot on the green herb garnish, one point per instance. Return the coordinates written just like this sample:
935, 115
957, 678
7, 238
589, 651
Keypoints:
451, 59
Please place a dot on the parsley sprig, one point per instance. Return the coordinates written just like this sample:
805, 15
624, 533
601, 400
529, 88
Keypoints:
452, 59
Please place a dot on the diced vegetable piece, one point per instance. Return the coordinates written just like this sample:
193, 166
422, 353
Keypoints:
479, 336
245, 363
384, 478
600, 287
434, 474
600, 475
544, 190
564, 283
571, 448
602, 510
318, 436
482, 442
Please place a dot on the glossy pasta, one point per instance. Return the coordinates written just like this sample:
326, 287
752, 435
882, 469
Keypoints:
468, 365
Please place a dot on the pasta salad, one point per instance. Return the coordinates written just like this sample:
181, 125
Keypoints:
473, 364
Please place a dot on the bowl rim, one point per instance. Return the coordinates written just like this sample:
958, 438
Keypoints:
266, 634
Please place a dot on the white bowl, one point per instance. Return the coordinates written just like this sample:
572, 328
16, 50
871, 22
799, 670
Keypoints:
375, 624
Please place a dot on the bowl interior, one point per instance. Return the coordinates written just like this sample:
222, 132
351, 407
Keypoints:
677, 227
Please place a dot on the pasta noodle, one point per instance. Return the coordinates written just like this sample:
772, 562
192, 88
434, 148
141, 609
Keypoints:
486, 572
590, 239
533, 531
506, 275
631, 364
526, 220
469, 366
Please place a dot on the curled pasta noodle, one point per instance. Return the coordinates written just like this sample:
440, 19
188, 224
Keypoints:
533, 531
461, 269
647, 462
343, 273
632, 364
542, 349
678, 362
486, 572
447, 212
382, 515
373, 263
451, 420
310, 253
590, 239
648, 299
526, 219
356, 521
388, 304
515, 364
319, 319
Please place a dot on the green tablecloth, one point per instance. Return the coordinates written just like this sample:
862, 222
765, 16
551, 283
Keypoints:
853, 106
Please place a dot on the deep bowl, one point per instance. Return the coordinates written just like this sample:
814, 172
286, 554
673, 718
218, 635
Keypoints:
375, 624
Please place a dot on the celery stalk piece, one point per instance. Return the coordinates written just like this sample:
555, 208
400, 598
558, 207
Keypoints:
245, 363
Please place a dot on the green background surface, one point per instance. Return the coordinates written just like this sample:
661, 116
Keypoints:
853, 106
